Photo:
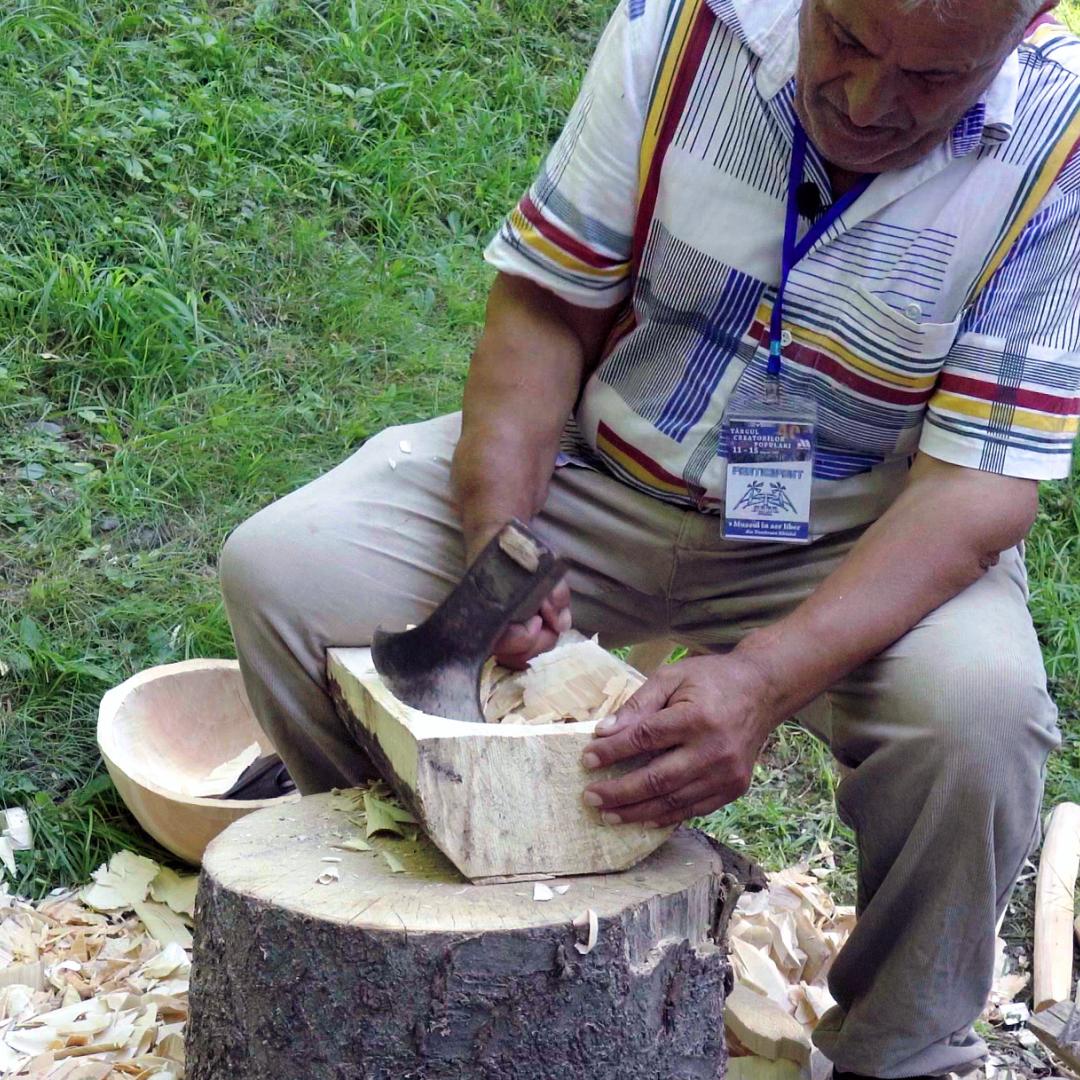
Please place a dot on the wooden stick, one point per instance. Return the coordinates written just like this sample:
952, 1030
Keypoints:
1054, 895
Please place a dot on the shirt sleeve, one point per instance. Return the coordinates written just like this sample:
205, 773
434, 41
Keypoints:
1008, 397
572, 231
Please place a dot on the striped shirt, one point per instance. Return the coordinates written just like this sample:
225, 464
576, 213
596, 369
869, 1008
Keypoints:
941, 313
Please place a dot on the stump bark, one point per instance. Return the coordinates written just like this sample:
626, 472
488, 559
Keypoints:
420, 975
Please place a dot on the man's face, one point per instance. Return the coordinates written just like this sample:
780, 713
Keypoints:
878, 88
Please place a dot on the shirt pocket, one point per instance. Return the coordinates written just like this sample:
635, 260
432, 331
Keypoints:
870, 367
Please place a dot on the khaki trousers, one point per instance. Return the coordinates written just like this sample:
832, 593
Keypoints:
946, 733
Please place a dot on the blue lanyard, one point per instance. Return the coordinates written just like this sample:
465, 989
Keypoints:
796, 250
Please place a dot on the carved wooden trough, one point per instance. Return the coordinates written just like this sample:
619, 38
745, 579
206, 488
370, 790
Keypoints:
502, 801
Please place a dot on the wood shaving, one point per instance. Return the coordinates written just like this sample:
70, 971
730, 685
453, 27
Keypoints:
172, 959
395, 864
86, 995
31, 975
7, 857
542, 892
376, 809
329, 876
501, 690
15, 825
576, 681
15, 835
176, 890
354, 844
590, 921
384, 815
757, 971
164, 925
121, 883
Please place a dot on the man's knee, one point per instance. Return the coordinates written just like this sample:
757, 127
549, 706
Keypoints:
257, 564
982, 722
977, 716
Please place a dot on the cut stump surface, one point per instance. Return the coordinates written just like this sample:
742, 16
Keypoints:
387, 975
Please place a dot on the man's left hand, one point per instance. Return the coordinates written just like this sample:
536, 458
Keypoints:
703, 722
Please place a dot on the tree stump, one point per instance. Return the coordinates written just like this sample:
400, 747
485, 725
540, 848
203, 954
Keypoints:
416, 974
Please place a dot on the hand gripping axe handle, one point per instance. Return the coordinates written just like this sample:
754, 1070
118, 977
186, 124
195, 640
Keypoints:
436, 666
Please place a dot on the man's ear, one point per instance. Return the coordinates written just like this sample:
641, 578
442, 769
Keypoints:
1045, 10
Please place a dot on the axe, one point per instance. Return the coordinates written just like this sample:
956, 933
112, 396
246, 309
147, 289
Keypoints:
435, 667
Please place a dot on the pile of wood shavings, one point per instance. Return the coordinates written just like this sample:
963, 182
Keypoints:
577, 680
783, 942
94, 982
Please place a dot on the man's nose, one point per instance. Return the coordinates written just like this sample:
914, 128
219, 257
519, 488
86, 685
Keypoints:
871, 95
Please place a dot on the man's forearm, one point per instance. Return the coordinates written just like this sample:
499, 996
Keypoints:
941, 535
524, 378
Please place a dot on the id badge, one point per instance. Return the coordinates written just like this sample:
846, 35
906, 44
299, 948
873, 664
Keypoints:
770, 470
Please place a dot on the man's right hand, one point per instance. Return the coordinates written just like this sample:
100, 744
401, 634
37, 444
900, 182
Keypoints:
520, 642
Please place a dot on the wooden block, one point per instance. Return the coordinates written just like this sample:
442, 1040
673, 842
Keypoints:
1055, 890
417, 973
174, 723
759, 1068
1058, 1028
501, 801
765, 1029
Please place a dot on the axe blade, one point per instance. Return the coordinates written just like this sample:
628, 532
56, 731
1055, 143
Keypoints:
436, 666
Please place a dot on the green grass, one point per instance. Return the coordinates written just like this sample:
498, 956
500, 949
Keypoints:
235, 240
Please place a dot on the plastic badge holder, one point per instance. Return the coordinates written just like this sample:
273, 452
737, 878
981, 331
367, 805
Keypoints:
770, 469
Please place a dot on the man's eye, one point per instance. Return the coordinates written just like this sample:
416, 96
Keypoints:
846, 41
936, 78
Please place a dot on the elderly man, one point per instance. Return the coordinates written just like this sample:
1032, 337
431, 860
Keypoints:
836, 246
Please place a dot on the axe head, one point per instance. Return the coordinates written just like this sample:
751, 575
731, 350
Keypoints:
436, 666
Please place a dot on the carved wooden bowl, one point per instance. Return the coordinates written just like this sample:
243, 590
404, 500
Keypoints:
172, 724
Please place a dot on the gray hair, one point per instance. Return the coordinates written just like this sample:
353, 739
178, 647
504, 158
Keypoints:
1026, 9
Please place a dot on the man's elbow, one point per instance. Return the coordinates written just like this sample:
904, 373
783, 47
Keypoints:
1016, 508
997, 512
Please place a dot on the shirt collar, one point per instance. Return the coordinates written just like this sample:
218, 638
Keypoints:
770, 29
